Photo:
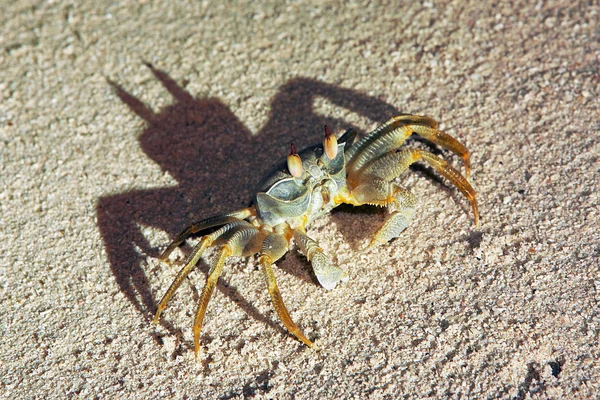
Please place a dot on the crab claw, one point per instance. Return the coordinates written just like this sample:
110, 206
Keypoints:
330, 144
294, 162
327, 274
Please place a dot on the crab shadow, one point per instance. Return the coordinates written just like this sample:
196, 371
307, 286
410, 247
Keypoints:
215, 161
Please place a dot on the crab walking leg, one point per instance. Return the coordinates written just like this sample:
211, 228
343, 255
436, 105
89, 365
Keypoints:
384, 138
207, 292
273, 248
205, 224
191, 262
327, 273
393, 133
233, 247
392, 165
443, 139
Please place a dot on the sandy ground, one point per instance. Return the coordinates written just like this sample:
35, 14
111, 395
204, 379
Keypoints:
103, 159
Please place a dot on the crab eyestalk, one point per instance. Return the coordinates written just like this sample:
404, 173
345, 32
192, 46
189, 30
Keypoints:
330, 144
294, 162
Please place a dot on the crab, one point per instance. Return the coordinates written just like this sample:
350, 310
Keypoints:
309, 184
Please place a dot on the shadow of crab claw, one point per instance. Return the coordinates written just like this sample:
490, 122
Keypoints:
328, 275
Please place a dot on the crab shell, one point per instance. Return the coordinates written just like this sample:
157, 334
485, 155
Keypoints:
280, 197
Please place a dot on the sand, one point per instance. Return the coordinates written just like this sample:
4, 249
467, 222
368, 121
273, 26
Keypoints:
121, 123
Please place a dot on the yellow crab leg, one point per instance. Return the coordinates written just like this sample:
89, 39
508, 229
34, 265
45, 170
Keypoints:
374, 186
393, 133
394, 164
207, 292
233, 247
205, 224
443, 139
191, 262
273, 248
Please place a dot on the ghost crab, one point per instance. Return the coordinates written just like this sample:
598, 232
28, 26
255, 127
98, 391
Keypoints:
309, 184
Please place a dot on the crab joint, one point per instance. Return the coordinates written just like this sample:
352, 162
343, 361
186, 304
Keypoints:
294, 162
330, 144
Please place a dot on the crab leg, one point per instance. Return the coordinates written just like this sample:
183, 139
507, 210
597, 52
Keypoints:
192, 260
273, 248
443, 139
205, 224
376, 188
327, 273
233, 247
392, 165
393, 133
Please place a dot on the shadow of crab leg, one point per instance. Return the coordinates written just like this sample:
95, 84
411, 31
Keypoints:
234, 246
327, 273
192, 260
393, 133
205, 224
390, 166
273, 248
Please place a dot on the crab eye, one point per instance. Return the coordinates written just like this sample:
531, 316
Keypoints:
330, 144
294, 162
